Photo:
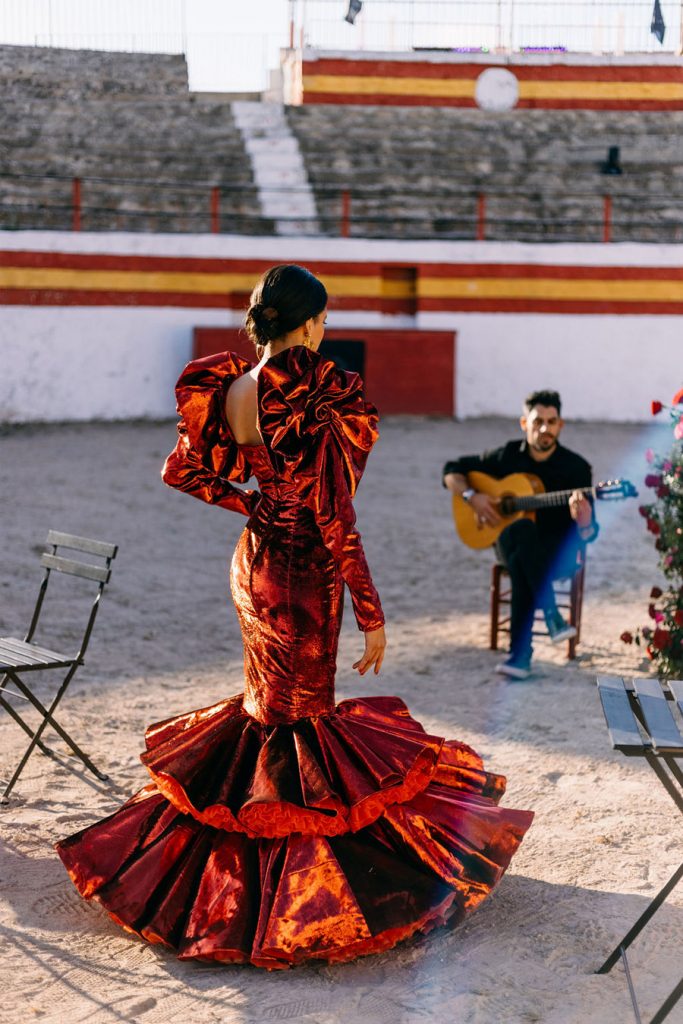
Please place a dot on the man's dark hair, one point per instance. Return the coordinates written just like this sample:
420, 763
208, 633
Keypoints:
543, 398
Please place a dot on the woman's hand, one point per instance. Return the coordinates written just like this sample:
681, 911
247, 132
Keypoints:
375, 645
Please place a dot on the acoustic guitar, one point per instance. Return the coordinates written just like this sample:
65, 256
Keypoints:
520, 494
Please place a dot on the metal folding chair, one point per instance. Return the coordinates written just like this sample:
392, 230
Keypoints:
641, 722
568, 592
18, 657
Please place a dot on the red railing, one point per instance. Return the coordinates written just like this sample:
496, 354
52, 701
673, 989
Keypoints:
357, 212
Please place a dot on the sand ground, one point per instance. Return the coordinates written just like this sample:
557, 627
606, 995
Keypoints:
605, 837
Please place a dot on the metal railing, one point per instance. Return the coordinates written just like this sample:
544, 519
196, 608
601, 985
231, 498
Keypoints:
462, 211
236, 53
581, 26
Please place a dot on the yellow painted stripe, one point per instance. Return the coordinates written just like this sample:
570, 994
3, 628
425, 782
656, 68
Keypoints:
571, 289
584, 90
394, 289
362, 286
380, 84
58, 278
463, 88
64, 279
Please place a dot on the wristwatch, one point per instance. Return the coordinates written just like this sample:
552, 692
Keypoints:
468, 494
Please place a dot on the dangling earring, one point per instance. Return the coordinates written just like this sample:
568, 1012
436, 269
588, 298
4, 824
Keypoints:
307, 339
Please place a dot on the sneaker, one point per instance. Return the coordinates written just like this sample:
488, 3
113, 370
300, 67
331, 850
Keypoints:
558, 629
515, 668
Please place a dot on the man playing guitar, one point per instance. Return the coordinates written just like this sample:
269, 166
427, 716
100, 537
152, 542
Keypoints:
534, 552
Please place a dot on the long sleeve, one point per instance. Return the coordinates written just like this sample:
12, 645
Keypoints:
319, 431
206, 458
185, 470
327, 495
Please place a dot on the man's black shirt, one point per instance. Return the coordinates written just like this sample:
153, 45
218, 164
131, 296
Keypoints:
563, 470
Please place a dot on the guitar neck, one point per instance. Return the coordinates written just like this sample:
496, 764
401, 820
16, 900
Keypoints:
551, 499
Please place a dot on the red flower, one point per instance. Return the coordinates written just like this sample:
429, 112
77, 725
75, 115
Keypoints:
661, 639
663, 491
653, 480
678, 617
653, 527
627, 637
678, 398
644, 510
651, 653
656, 592
659, 543
656, 407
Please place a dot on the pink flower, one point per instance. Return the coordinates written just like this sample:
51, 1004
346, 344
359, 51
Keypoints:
678, 430
656, 407
649, 455
667, 466
659, 617
668, 560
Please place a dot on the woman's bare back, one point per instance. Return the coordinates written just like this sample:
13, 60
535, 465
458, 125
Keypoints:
241, 409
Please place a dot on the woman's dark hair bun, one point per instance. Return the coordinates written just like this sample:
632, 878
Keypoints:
285, 298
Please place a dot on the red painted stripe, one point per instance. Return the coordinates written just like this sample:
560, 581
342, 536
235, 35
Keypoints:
27, 297
398, 100
391, 68
383, 100
103, 261
220, 300
47, 297
584, 104
379, 304
541, 306
524, 72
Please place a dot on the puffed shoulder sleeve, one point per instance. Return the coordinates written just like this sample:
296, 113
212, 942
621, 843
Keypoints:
206, 460
319, 432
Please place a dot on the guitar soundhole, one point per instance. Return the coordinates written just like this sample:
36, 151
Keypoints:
506, 504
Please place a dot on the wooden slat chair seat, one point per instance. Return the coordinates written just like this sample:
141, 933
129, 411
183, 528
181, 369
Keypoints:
641, 723
19, 657
568, 593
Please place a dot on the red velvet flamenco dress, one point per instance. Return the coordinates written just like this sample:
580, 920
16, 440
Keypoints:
278, 826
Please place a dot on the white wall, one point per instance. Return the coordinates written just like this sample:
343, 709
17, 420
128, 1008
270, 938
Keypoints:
70, 362
605, 367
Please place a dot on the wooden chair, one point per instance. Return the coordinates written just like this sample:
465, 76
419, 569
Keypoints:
568, 593
18, 657
642, 723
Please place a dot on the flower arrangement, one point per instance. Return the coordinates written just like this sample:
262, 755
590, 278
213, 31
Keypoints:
663, 639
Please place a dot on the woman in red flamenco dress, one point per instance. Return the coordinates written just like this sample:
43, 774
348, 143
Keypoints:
278, 826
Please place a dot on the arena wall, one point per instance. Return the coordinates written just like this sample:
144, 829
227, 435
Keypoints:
100, 325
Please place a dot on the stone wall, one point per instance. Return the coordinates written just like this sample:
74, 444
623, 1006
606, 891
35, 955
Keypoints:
129, 121
416, 171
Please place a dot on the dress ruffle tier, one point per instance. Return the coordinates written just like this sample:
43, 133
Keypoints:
327, 838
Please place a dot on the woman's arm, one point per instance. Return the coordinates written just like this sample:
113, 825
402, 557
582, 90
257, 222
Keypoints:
186, 470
